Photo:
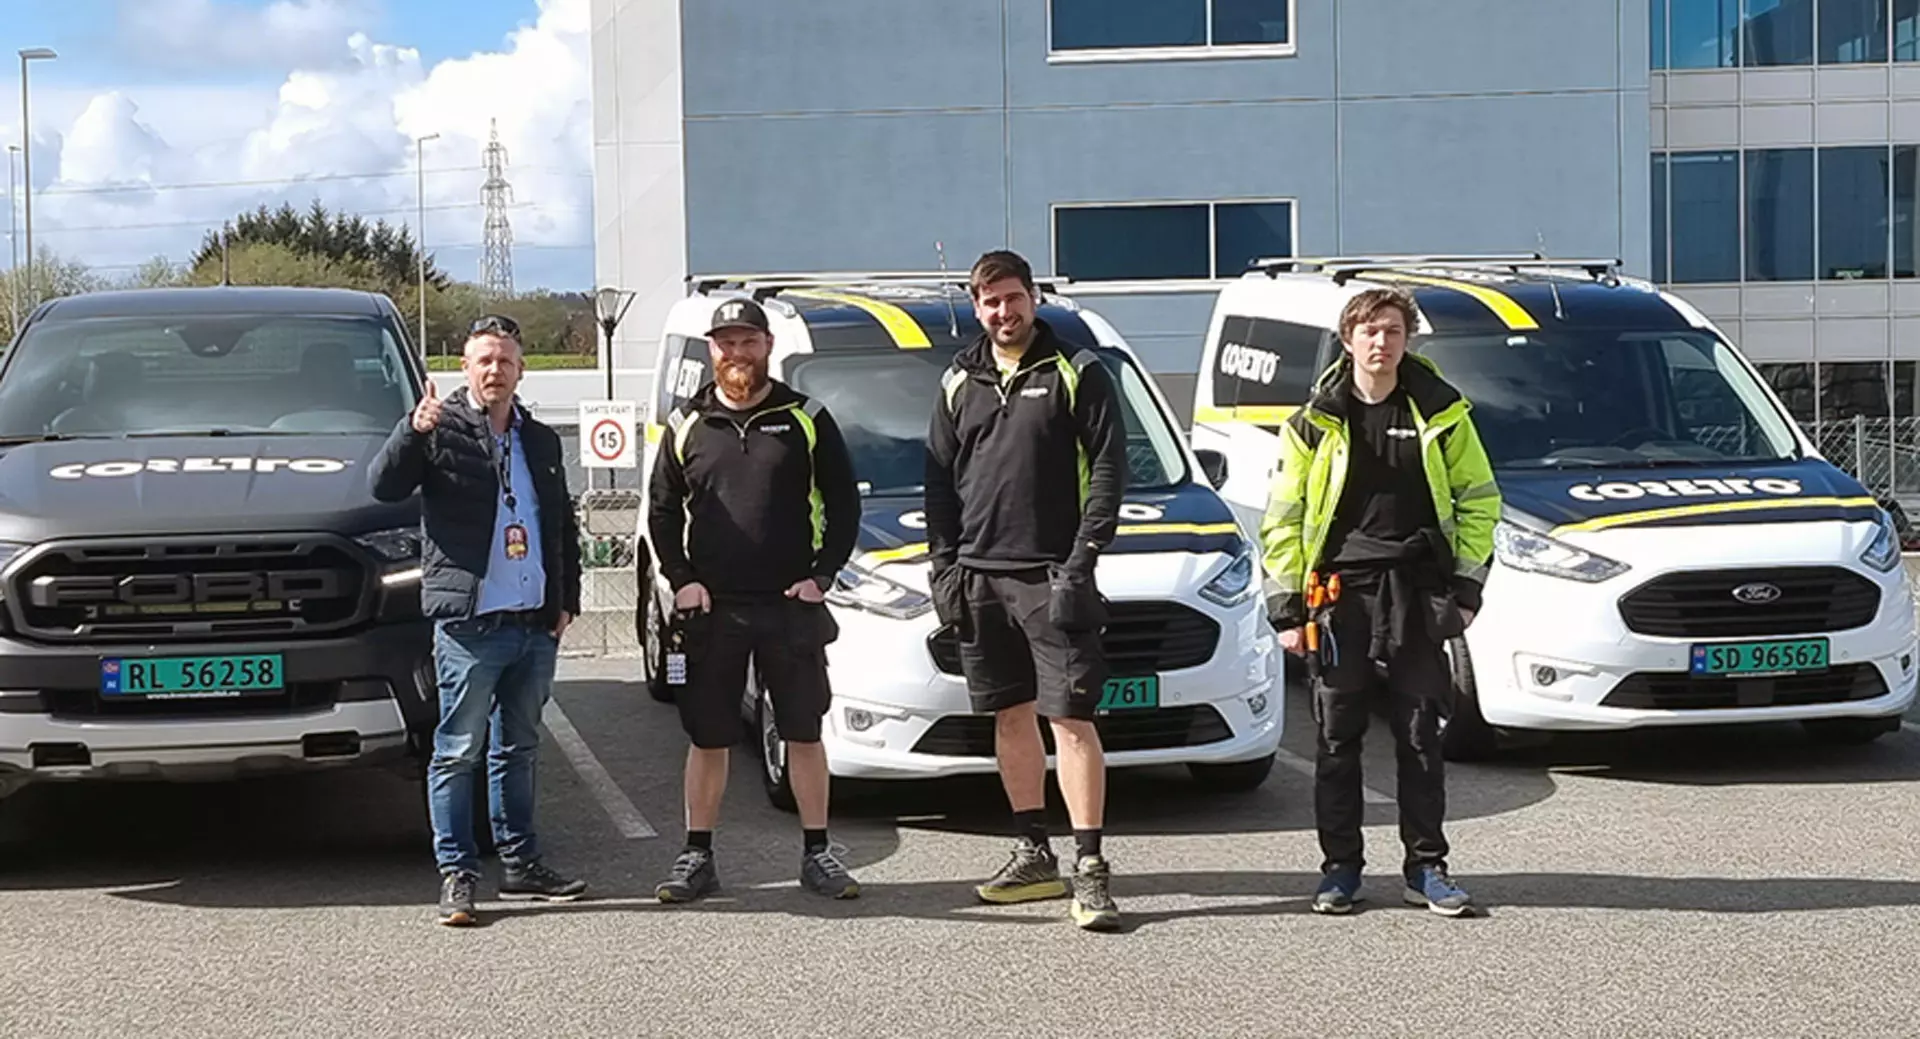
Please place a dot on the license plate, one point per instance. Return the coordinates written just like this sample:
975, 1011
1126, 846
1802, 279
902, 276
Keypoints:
192, 677
1131, 694
1786, 657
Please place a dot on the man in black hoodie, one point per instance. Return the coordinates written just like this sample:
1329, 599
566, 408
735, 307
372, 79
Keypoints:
754, 511
1026, 466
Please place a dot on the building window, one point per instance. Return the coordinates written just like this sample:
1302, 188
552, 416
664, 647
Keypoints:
1777, 32
1906, 30
1854, 186
1195, 241
1853, 31
1793, 383
1704, 34
1854, 389
1657, 33
1094, 30
1704, 194
1780, 214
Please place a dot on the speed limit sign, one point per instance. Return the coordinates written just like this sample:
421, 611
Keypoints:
606, 434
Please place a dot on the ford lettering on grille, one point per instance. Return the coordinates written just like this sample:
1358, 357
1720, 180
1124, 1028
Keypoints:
185, 589
1758, 593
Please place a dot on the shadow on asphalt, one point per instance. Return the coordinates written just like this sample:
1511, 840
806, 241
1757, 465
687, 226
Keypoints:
1741, 755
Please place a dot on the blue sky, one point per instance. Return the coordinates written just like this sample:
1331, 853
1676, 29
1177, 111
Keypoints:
153, 105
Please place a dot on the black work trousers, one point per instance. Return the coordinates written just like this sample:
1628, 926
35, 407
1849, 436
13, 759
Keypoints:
1416, 681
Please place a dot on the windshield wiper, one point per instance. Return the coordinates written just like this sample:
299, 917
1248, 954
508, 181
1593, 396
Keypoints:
42, 438
217, 431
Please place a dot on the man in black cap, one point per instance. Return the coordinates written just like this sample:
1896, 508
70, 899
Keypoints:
753, 512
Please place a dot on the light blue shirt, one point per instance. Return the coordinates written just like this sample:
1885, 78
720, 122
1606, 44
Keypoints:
514, 584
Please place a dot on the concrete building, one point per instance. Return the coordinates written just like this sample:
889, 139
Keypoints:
1145, 148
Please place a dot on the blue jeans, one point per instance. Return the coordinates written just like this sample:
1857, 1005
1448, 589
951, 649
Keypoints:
503, 673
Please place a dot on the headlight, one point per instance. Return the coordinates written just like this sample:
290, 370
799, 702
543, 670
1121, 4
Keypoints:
1884, 553
393, 546
1526, 550
8, 550
1234, 584
861, 589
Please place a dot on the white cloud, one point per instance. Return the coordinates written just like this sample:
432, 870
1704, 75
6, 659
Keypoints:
133, 174
199, 34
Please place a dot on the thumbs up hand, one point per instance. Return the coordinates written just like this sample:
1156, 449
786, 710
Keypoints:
426, 414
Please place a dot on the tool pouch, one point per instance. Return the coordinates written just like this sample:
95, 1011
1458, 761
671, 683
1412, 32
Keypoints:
1074, 603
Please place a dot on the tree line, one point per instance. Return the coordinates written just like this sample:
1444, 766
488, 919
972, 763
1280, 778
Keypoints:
318, 248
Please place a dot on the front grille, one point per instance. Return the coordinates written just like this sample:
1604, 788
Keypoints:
189, 588
1141, 638
1700, 603
1669, 691
971, 735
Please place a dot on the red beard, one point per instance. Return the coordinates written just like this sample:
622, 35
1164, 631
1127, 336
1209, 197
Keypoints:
740, 379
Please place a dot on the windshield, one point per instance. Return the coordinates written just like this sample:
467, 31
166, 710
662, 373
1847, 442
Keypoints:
883, 402
1611, 398
236, 373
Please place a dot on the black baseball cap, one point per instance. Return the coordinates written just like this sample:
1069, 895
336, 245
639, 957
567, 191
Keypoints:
739, 313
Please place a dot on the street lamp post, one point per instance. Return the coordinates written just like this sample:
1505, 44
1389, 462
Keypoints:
420, 170
610, 305
26, 151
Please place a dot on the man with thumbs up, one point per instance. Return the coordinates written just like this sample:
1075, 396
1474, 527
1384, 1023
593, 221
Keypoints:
501, 580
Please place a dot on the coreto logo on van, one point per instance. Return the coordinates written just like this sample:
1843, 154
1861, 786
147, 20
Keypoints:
1727, 487
1248, 363
311, 466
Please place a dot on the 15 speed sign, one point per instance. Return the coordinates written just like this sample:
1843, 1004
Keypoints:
607, 433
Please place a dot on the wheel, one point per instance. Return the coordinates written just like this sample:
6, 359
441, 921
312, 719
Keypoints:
775, 778
653, 645
1231, 776
1465, 734
1849, 731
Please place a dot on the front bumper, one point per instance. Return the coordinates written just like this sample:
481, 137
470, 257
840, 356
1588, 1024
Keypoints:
1225, 710
1550, 654
351, 700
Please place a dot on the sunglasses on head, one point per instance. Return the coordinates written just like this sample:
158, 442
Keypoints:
495, 324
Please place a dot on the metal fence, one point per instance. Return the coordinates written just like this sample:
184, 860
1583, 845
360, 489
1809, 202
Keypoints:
1883, 454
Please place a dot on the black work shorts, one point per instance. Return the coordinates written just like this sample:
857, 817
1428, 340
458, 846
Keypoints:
785, 640
1013, 653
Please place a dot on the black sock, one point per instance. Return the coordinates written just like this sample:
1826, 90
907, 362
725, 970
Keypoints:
816, 840
1032, 825
1086, 843
702, 839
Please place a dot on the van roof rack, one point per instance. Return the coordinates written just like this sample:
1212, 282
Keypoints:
763, 285
1343, 268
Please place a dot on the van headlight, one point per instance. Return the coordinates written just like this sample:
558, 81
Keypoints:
1884, 553
1234, 584
862, 589
1537, 553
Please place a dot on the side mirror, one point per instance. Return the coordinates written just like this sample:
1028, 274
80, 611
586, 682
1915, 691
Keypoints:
1215, 465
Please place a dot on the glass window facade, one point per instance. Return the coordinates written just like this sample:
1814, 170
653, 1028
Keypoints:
1091, 25
1703, 192
1724, 34
1779, 199
1175, 240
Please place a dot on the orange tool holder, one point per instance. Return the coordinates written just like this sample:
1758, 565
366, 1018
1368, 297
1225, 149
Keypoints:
1315, 596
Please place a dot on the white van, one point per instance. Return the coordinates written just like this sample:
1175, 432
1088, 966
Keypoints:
1673, 549
1195, 664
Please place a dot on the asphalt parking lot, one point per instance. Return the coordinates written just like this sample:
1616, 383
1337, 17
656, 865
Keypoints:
1735, 883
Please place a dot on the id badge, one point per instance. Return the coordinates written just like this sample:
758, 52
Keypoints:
676, 656
516, 542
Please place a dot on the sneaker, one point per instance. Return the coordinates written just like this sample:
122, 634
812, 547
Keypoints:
1093, 907
1339, 890
1431, 887
822, 873
456, 899
538, 881
1031, 873
693, 877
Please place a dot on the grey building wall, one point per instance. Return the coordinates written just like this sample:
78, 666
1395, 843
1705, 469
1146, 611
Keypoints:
854, 134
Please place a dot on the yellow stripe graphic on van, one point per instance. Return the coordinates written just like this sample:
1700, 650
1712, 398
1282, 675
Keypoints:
903, 553
1253, 414
1503, 306
906, 332
1713, 508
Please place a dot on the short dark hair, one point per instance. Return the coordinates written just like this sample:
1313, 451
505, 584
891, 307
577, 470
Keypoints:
1367, 305
998, 264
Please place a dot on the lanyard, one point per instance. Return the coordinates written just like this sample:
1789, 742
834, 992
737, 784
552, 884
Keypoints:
506, 464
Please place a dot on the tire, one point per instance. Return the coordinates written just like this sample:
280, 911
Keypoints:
776, 780
1231, 776
1849, 732
652, 624
1465, 734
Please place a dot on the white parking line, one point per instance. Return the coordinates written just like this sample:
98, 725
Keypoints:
626, 818
1305, 768
1910, 726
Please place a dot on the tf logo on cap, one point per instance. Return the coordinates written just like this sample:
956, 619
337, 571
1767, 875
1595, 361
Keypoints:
739, 313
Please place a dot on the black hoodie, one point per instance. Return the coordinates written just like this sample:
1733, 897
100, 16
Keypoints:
1028, 473
733, 495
